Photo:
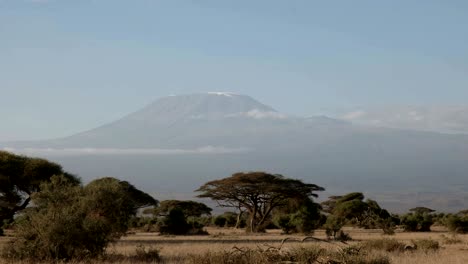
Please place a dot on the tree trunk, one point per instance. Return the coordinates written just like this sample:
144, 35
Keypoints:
253, 229
239, 216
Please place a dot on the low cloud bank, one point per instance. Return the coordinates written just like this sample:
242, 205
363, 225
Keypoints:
127, 151
443, 119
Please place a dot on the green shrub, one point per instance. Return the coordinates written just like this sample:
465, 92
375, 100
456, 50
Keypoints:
419, 220
174, 223
457, 224
285, 223
196, 227
333, 225
229, 219
220, 221
72, 222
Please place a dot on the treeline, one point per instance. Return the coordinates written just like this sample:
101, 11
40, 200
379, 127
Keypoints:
55, 216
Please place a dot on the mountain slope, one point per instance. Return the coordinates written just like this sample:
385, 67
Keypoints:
237, 133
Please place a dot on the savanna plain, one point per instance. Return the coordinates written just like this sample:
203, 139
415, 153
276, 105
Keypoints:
229, 245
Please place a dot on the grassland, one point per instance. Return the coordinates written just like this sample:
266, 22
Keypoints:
180, 249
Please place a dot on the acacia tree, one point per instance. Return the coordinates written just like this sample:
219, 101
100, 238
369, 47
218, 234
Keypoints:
352, 208
419, 219
258, 193
20, 177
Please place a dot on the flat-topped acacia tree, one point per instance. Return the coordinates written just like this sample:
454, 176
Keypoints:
258, 193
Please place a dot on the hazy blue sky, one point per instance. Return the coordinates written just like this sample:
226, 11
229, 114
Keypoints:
70, 65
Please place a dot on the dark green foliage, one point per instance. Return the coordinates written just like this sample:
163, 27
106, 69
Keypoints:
284, 222
20, 177
419, 220
72, 222
203, 220
300, 215
352, 209
220, 221
196, 227
258, 193
333, 226
188, 208
457, 223
229, 219
177, 223
174, 223
182, 217
421, 210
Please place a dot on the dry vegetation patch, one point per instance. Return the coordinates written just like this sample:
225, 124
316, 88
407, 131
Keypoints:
234, 246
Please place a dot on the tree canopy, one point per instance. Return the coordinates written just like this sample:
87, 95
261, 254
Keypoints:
419, 219
258, 193
188, 208
354, 209
20, 177
138, 199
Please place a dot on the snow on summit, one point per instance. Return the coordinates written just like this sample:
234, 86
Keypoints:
223, 94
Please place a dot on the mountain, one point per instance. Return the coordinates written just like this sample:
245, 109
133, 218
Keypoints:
170, 121
177, 143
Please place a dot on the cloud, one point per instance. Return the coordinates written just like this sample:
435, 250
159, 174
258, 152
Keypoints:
443, 119
354, 115
258, 114
38, 1
206, 150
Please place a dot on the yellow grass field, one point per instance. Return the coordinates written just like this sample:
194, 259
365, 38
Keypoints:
176, 249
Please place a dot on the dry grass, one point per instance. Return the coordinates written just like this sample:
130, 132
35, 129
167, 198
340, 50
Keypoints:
179, 249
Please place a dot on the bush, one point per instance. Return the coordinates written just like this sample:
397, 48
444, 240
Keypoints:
457, 224
71, 222
196, 227
284, 222
174, 223
220, 221
333, 225
417, 222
